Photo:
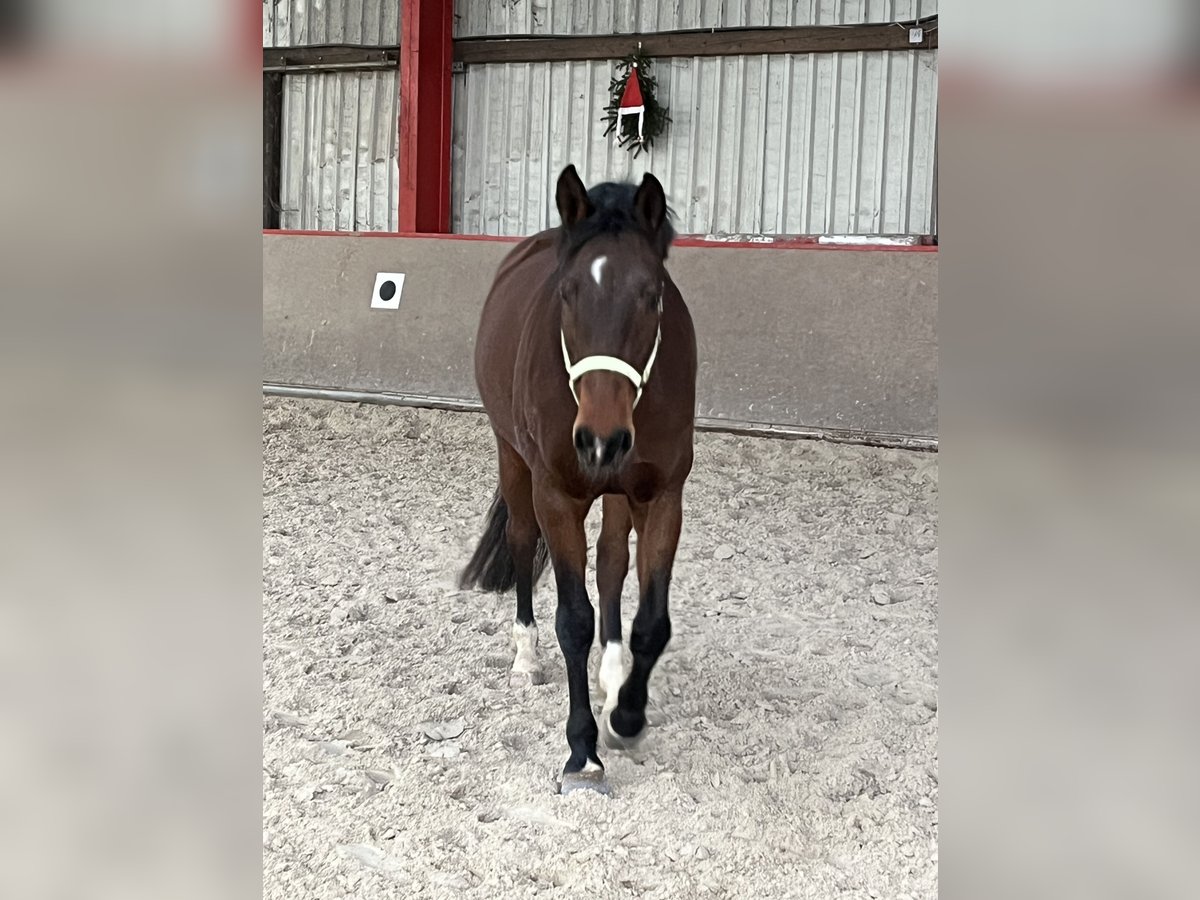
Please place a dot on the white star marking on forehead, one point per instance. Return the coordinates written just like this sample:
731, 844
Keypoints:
598, 267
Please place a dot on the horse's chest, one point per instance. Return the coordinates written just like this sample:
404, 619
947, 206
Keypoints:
641, 481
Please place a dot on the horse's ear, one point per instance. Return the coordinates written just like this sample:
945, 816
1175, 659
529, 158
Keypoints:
571, 197
651, 204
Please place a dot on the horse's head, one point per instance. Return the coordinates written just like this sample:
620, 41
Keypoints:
610, 285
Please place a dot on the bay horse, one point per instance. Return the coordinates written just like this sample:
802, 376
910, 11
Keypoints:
585, 360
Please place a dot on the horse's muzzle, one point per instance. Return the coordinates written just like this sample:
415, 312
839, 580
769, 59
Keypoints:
598, 454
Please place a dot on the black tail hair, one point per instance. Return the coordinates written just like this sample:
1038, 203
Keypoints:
492, 567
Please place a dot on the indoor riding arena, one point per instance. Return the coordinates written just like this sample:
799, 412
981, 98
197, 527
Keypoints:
791, 740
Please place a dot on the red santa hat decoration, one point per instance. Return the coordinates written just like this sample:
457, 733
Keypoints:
632, 104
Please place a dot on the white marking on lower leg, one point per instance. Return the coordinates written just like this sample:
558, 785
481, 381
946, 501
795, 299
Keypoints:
598, 267
591, 766
526, 638
612, 674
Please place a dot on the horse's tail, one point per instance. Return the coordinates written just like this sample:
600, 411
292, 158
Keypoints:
492, 567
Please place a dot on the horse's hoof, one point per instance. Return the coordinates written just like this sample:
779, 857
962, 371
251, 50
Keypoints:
593, 780
526, 677
615, 741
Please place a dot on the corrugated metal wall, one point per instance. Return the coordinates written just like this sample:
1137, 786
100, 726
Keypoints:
294, 23
835, 144
339, 169
340, 144
805, 144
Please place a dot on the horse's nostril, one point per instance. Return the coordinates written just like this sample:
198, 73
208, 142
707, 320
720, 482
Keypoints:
584, 439
617, 445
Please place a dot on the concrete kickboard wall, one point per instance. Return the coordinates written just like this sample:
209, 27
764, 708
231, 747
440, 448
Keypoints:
822, 339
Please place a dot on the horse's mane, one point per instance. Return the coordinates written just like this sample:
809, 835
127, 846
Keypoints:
613, 213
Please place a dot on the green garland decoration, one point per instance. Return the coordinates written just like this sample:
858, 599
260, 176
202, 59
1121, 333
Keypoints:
656, 119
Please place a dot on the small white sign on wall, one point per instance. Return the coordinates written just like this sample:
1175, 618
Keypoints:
388, 287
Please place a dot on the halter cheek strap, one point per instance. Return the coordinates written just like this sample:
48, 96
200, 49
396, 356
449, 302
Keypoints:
575, 371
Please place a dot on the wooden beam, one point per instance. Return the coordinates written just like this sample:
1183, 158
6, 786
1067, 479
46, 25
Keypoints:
426, 51
329, 58
713, 42
554, 48
272, 147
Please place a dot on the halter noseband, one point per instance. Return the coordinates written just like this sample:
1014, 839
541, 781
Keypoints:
575, 371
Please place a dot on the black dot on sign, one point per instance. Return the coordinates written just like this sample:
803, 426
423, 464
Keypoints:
387, 290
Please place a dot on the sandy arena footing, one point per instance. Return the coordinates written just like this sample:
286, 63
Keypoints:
792, 749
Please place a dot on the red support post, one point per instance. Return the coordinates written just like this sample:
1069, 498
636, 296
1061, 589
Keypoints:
426, 54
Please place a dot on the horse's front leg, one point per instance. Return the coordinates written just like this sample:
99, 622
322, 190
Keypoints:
561, 519
658, 524
612, 565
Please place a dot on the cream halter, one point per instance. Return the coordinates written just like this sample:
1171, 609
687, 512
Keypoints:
575, 371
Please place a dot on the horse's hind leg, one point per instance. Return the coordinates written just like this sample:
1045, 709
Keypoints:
658, 525
612, 565
516, 486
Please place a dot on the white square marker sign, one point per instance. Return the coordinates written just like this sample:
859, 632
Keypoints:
388, 287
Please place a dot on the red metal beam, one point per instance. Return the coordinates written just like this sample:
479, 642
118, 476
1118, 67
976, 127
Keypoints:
793, 243
426, 53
